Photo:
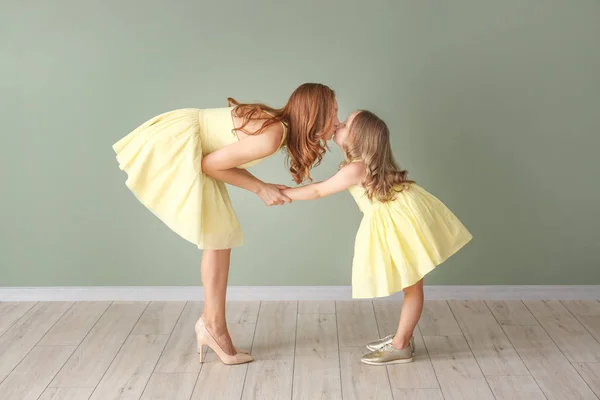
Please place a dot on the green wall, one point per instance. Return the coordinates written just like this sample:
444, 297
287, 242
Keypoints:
494, 107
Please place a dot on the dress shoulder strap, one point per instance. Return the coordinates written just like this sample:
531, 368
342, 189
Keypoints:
285, 129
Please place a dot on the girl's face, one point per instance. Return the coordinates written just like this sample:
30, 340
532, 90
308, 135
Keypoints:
341, 134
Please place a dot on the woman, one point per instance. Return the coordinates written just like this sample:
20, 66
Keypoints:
178, 163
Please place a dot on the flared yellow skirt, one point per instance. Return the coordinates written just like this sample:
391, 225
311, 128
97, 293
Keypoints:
162, 159
401, 241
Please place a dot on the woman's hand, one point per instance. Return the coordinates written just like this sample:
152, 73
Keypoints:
271, 194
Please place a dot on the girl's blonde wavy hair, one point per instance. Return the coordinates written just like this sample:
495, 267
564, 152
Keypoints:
369, 142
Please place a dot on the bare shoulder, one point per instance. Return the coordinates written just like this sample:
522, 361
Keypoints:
355, 172
269, 139
273, 135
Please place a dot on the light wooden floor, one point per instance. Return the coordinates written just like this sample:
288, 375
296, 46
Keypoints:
305, 350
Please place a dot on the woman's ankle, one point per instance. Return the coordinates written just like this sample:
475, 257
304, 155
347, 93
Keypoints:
215, 324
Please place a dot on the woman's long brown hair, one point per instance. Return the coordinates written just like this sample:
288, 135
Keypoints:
369, 142
308, 114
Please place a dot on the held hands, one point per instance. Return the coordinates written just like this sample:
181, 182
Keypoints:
271, 194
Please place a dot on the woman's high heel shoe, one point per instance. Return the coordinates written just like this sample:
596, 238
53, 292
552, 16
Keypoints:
201, 322
204, 338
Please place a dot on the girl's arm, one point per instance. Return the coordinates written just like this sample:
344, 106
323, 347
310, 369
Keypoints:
222, 165
349, 175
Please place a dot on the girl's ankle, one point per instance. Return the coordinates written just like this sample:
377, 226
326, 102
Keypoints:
400, 342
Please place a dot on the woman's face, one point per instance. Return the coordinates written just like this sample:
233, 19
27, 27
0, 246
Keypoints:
335, 123
341, 134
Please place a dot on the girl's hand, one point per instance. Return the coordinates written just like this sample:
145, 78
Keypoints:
271, 194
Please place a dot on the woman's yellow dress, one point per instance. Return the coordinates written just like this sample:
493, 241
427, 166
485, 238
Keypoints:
163, 162
402, 240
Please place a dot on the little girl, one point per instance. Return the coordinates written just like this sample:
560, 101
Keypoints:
405, 232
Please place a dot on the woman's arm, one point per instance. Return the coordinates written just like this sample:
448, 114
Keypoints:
222, 165
349, 175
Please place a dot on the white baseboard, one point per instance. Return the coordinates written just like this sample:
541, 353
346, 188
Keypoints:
271, 293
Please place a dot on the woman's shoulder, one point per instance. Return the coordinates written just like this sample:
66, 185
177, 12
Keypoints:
271, 138
276, 135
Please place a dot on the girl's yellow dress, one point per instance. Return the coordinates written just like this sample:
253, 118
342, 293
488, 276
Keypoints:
162, 159
402, 240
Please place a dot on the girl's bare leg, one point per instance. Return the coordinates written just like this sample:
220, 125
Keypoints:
412, 308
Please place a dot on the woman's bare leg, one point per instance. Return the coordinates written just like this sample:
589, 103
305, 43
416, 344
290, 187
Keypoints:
412, 308
215, 273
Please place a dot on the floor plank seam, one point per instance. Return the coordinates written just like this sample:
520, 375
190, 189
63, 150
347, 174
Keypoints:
295, 347
578, 320
163, 349
36, 343
430, 362
251, 350
18, 319
558, 347
80, 343
201, 365
432, 365
337, 332
387, 370
118, 351
470, 349
517, 351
